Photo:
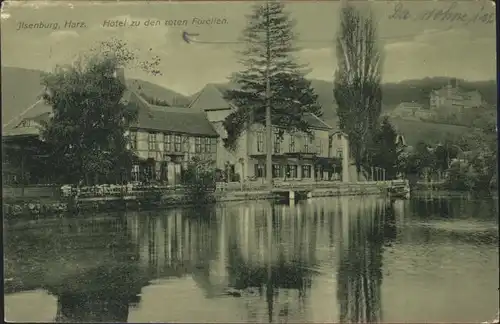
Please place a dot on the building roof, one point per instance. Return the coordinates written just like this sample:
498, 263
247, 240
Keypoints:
315, 122
158, 118
432, 133
211, 97
409, 105
21, 131
21, 88
39, 111
443, 91
31, 112
150, 90
173, 119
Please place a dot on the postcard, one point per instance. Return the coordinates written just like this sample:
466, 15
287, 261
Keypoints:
249, 161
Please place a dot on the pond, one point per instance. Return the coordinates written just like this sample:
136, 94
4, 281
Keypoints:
433, 258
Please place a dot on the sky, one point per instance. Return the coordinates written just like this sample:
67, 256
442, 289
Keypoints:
413, 48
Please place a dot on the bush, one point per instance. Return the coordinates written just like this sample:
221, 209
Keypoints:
469, 176
199, 179
460, 177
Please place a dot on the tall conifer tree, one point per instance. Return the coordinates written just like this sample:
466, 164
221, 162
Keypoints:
269, 47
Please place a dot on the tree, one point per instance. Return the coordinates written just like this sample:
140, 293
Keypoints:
199, 178
357, 88
444, 154
420, 160
482, 160
271, 78
384, 151
86, 132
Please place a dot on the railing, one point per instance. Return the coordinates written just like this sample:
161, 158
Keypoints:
302, 185
31, 191
119, 190
145, 190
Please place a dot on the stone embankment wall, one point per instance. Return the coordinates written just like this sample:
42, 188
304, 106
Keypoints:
51, 207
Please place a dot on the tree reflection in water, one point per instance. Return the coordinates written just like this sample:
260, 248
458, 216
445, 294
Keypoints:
267, 268
97, 266
101, 295
267, 250
88, 263
359, 273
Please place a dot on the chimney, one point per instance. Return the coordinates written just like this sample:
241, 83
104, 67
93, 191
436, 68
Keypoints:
120, 74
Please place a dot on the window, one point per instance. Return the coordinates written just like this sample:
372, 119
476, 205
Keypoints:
306, 171
177, 143
291, 171
340, 153
292, 144
339, 136
260, 171
152, 144
260, 142
277, 143
167, 143
185, 144
135, 173
307, 143
149, 172
132, 140
277, 171
319, 172
207, 145
197, 145
214, 145
26, 123
319, 147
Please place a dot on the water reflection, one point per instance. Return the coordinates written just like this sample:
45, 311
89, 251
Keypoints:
101, 295
270, 253
89, 265
272, 250
439, 205
360, 265
320, 260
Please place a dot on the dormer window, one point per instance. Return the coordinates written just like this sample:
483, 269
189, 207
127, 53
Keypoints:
26, 123
400, 140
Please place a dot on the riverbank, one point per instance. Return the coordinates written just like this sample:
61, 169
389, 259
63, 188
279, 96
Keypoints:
342, 189
450, 194
435, 185
50, 206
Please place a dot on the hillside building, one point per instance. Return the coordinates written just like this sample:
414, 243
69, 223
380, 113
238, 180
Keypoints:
454, 99
411, 111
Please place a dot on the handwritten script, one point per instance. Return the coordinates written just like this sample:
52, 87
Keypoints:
447, 14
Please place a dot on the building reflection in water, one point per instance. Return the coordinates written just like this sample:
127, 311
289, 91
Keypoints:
271, 252
268, 254
174, 243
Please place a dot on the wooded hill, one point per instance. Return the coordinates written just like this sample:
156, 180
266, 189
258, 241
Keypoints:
20, 88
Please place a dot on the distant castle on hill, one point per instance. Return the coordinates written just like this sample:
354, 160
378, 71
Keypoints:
448, 100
